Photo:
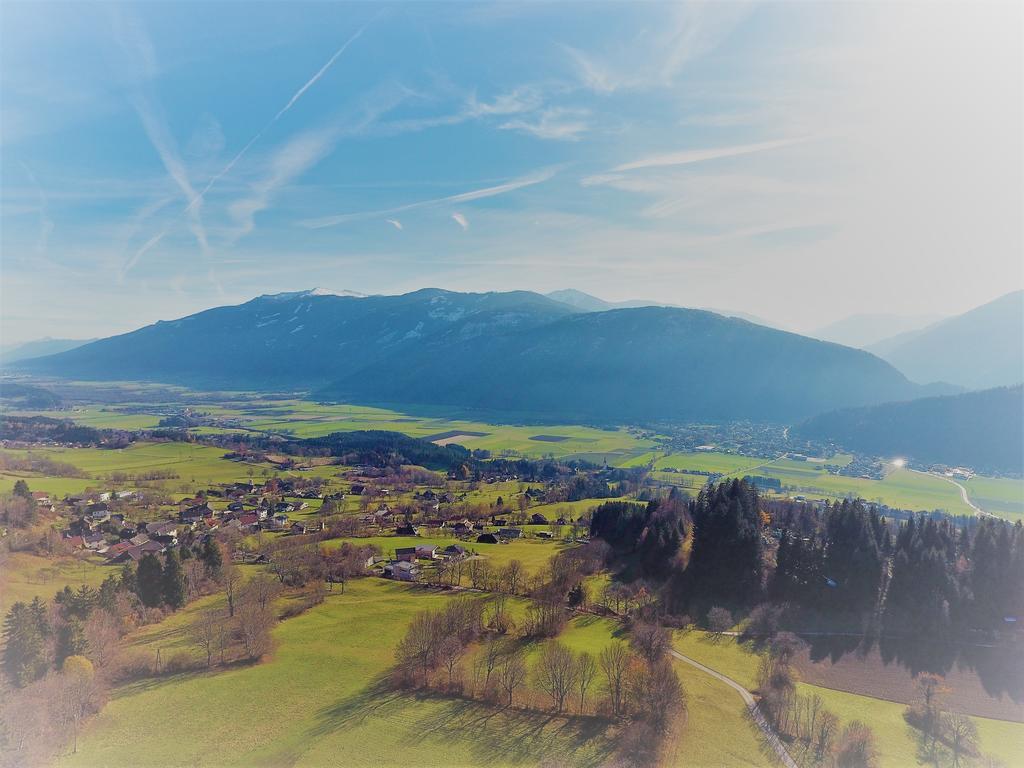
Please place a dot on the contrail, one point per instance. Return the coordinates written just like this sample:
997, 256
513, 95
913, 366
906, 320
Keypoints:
291, 102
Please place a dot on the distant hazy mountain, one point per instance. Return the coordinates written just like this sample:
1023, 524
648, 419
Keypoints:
861, 331
978, 349
516, 351
984, 430
585, 302
301, 340
38, 348
638, 364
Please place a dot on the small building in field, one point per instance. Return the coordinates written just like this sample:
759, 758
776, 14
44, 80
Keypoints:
486, 538
538, 519
407, 530
510, 533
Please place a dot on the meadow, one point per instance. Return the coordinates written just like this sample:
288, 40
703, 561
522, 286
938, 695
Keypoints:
321, 699
895, 740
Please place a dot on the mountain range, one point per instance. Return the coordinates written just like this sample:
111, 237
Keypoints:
586, 302
979, 349
38, 348
984, 430
515, 352
866, 329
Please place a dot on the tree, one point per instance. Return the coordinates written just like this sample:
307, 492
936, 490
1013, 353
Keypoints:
232, 580
650, 640
150, 581
77, 694
963, 735
174, 585
556, 673
512, 672
856, 748
450, 651
254, 621
24, 650
418, 650
205, 632
614, 661
212, 557
719, 620
586, 668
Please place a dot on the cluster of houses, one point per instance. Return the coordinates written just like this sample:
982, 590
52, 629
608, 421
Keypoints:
405, 566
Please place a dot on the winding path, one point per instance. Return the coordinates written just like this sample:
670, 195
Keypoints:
755, 711
963, 492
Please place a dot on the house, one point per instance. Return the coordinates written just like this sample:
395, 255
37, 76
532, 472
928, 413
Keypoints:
162, 530
510, 533
249, 522
194, 514
455, 552
544, 534
402, 571
486, 538
236, 506
98, 512
94, 541
139, 539
278, 522
426, 551
357, 489
407, 530
538, 519
407, 554
75, 542
299, 529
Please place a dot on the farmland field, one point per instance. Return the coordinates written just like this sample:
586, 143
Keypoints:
999, 496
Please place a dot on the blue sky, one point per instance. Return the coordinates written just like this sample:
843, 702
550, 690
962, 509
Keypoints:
797, 161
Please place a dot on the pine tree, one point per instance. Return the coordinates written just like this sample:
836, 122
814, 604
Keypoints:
149, 580
24, 649
174, 589
212, 558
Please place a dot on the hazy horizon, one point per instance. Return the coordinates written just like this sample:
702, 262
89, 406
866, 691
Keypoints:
798, 162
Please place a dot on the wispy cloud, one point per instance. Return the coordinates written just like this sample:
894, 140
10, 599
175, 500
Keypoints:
655, 58
395, 223
462, 197
138, 48
291, 102
45, 222
559, 123
688, 156
461, 220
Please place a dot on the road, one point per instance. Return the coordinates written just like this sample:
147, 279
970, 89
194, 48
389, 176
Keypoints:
963, 492
755, 711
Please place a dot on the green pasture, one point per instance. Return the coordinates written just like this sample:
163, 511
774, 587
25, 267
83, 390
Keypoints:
999, 496
896, 745
322, 696
25, 576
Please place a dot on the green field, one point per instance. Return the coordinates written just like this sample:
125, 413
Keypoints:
998, 496
24, 576
321, 701
895, 741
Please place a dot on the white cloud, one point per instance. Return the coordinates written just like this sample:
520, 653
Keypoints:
688, 156
557, 123
461, 220
395, 223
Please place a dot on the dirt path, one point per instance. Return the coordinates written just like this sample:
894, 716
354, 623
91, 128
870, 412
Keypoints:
755, 711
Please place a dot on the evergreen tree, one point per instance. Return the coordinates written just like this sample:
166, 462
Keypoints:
212, 558
726, 560
174, 588
150, 581
24, 647
70, 640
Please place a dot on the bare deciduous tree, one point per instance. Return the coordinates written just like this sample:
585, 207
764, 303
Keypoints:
556, 673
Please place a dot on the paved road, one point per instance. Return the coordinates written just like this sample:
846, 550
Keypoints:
963, 492
755, 711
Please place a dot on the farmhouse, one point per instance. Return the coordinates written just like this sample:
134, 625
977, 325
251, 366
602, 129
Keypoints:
538, 519
405, 553
402, 571
510, 533
407, 530
426, 551
486, 538
454, 552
